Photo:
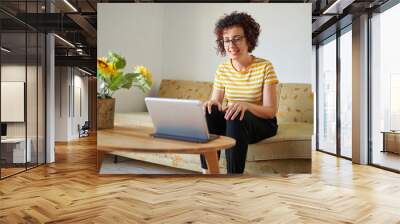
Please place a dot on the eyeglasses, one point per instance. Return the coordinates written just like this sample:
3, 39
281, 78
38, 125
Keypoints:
235, 40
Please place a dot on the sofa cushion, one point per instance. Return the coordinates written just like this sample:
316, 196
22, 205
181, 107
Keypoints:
293, 141
183, 89
296, 103
293, 131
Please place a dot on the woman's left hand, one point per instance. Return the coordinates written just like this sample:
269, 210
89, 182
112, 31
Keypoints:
233, 110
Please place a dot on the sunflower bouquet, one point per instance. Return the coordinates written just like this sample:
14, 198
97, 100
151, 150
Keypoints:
112, 77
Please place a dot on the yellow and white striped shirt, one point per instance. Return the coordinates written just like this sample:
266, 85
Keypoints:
245, 86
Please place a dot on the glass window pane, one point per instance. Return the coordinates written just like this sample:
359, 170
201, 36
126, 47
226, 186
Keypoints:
327, 97
386, 88
14, 153
31, 97
23, 78
346, 94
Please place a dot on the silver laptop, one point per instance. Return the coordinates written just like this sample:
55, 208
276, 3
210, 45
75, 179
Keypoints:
178, 119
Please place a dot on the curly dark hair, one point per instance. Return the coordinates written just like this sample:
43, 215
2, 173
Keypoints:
250, 27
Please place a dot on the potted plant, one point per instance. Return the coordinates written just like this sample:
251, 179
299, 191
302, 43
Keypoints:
111, 78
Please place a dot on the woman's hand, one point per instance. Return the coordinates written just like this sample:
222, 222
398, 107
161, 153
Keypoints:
208, 104
233, 110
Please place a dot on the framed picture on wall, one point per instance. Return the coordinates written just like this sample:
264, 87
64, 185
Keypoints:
12, 101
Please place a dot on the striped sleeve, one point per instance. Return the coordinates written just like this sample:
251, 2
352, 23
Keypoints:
219, 80
270, 75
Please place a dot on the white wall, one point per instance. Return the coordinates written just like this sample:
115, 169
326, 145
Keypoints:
82, 82
176, 41
61, 103
67, 113
81, 103
189, 44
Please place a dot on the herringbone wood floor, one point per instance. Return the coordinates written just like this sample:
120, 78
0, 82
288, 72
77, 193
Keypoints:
70, 191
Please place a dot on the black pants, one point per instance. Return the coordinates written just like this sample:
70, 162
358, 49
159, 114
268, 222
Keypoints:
251, 129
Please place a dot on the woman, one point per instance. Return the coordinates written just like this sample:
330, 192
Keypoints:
248, 84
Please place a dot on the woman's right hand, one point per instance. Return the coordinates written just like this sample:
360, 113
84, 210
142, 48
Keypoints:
208, 104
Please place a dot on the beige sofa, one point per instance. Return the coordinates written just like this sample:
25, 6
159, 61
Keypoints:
287, 152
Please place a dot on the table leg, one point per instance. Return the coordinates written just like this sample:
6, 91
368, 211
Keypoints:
100, 156
212, 162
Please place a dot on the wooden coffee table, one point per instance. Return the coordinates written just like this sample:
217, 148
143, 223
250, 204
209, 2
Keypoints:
131, 138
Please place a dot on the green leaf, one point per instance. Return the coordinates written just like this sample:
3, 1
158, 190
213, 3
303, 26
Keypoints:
132, 74
118, 60
127, 85
142, 84
127, 81
116, 82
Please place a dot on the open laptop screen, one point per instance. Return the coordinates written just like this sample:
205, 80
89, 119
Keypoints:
178, 117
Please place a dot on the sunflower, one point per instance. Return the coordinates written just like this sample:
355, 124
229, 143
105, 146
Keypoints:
145, 73
112, 77
106, 68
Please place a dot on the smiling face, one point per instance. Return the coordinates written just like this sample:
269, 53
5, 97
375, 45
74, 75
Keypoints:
235, 43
